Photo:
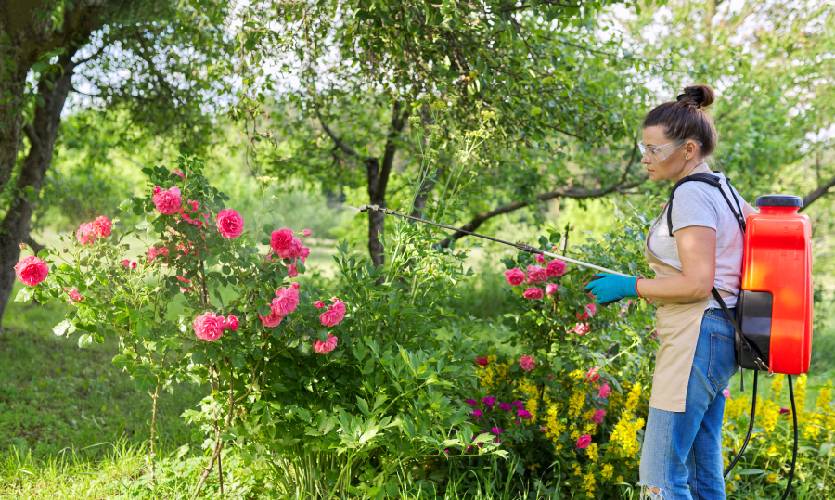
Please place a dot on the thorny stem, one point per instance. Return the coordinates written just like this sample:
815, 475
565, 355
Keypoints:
151, 450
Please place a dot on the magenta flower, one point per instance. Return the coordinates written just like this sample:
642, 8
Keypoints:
476, 413
524, 414
536, 274
583, 441
482, 361
526, 362
496, 430
167, 201
471, 402
598, 416
230, 224
604, 390
539, 258
533, 293
555, 268
505, 406
326, 346
31, 270
208, 326
334, 315
102, 226
514, 276
489, 401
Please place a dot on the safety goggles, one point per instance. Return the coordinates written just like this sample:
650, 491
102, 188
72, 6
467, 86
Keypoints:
657, 153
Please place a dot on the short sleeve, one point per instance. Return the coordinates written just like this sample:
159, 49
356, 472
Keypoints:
693, 205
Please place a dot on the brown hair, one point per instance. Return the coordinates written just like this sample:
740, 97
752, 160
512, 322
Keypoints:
684, 118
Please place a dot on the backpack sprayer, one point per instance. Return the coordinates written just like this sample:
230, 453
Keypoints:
774, 309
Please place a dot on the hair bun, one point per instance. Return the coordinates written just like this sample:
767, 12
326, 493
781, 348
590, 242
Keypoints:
698, 96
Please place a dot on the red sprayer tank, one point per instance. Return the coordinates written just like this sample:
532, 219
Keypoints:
775, 306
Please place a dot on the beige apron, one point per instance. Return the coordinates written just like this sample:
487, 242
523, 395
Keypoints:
678, 326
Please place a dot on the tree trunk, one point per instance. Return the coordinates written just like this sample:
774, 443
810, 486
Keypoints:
42, 132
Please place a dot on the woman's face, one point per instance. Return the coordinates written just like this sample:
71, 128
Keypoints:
665, 158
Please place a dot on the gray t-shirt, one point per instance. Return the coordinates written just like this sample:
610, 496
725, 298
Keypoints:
700, 204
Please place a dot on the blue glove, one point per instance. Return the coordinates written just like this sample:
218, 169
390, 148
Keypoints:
608, 288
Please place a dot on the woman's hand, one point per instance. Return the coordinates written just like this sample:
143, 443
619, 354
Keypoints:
608, 288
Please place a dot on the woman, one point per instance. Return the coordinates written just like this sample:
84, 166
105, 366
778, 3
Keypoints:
681, 456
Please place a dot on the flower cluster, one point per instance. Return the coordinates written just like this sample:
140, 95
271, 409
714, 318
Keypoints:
537, 275
88, 232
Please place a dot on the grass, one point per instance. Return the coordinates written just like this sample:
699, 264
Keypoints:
56, 397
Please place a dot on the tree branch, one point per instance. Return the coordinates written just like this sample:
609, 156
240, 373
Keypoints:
577, 193
348, 150
819, 192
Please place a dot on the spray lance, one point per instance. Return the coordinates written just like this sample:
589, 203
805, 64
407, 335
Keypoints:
519, 245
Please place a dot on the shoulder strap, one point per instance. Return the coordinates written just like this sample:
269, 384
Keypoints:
706, 178
714, 181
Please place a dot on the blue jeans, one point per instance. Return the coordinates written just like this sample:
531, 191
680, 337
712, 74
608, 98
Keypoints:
681, 456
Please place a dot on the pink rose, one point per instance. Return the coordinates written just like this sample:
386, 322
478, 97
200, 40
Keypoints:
319, 304
555, 268
281, 240
592, 375
154, 252
526, 362
581, 328
597, 418
285, 302
324, 347
231, 323
604, 390
292, 271
482, 360
179, 173
194, 205
295, 285
533, 293
514, 276
334, 315
230, 224
167, 201
590, 309
128, 264
31, 270
583, 441
102, 225
74, 294
536, 274
306, 232
86, 233
271, 320
540, 258
551, 288
208, 326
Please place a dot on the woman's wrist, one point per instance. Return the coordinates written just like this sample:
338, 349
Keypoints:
637, 291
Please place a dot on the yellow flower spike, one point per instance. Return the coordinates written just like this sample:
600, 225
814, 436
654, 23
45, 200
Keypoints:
777, 385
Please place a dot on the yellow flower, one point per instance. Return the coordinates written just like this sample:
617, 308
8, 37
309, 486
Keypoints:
531, 391
824, 398
771, 478
575, 403
606, 471
577, 374
777, 386
624, 435
800, 396
772, 451
591, 451
812, 425
590, 483
770, 413
632, 399
553, 427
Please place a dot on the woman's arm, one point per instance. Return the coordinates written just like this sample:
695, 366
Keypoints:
697, 251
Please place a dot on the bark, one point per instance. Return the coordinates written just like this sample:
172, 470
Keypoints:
42, 132
377, 173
